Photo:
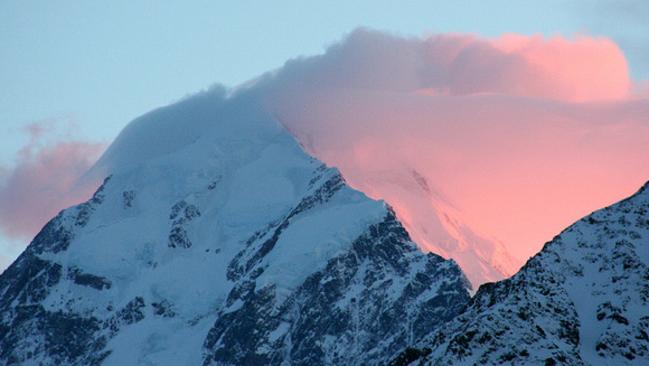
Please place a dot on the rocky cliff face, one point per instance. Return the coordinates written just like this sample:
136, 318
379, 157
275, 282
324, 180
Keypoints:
216, 240
583, 300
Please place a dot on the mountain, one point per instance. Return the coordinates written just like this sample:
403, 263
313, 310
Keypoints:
216, 240
435, 224
583, 300
429, 214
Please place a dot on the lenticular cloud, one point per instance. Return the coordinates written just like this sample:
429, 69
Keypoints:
484, 147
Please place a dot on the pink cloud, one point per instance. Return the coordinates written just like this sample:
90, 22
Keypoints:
43, 181
578, 70
485, 147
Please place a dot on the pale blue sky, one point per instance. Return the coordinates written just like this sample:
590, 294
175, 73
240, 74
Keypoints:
100, 63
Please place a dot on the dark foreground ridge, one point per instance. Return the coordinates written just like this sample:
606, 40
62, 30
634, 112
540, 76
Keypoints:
583, 300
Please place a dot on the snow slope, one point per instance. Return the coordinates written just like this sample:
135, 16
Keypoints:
216, 240
583, 300
434, 223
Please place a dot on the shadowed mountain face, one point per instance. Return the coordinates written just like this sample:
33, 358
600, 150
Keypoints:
583, 300
217, 240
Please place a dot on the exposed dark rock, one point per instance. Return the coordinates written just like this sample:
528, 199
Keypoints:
181, 214
129, 197
86, 279
594, 271
321, 324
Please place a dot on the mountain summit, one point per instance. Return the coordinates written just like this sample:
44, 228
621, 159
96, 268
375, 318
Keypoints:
216, 240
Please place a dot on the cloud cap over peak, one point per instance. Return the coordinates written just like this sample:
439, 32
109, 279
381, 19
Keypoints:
515, 137
581, 69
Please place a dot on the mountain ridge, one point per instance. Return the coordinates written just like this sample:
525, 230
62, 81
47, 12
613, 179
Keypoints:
229, 245
582, 300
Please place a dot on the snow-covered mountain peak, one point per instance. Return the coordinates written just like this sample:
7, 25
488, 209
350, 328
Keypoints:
217, 240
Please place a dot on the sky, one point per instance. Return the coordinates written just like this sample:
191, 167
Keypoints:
74, 73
